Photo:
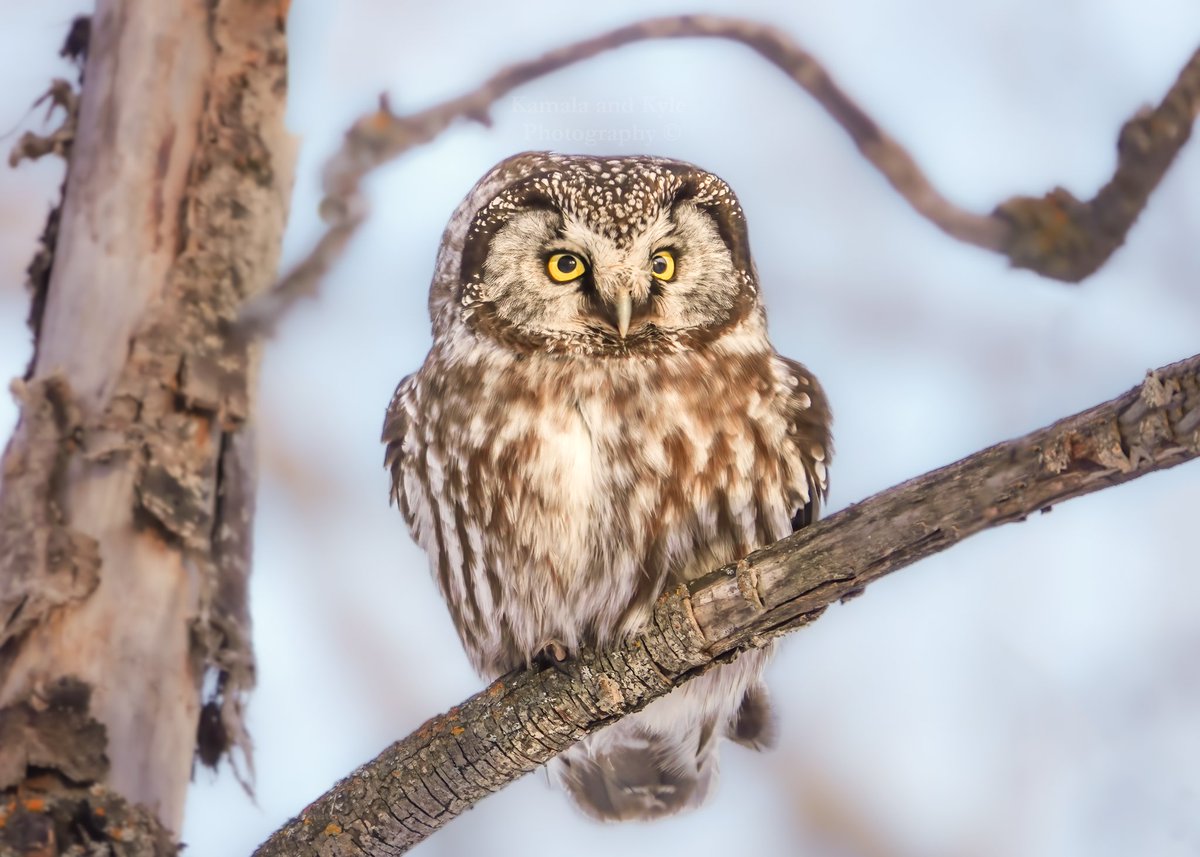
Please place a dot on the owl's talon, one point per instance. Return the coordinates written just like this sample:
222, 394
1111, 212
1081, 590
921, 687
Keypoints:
553, 654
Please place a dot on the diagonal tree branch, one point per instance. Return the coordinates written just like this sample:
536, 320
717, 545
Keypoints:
523, 720
1056, 235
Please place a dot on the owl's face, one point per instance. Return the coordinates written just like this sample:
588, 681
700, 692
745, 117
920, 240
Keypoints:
605, 256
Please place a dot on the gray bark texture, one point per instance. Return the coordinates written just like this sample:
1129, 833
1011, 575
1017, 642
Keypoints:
523, 720
127, 488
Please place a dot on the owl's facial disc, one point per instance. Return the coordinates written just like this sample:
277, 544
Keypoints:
608, 257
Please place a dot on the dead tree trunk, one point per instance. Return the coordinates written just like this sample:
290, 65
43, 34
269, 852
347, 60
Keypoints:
127, 492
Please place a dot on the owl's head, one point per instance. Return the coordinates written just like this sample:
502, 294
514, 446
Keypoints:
600, 256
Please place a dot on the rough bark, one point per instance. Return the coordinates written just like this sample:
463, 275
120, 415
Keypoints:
523, 720
127, 492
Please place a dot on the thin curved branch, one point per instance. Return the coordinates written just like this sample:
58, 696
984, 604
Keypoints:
382, 136
1056, 235
523, 720
1060, 237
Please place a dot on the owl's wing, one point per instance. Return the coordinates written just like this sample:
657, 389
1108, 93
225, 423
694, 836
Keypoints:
395, 428
807, 411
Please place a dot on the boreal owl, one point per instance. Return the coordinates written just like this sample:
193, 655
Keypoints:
602, 414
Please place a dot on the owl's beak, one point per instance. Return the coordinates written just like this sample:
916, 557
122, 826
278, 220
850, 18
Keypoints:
624, 306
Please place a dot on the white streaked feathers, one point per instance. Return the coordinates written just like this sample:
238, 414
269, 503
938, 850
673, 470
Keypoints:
559, 476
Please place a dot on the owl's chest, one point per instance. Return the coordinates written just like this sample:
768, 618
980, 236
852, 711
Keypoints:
556, 504
604, 471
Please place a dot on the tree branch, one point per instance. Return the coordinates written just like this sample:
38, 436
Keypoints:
1056, 235
524, 719
1060, 237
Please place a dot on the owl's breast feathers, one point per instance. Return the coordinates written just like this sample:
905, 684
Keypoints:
557, 496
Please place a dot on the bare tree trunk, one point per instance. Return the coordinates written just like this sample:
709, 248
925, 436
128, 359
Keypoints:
127, 492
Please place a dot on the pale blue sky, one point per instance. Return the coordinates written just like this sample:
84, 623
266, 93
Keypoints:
1034, 691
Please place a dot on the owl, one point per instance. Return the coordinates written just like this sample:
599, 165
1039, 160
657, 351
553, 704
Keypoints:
602, 415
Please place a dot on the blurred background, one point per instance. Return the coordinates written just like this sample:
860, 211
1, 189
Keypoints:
1035, 691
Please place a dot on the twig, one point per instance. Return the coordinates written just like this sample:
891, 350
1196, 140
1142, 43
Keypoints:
523, 720
1056, 236
58, 142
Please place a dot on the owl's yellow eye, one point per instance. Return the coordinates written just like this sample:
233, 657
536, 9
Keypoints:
564, 267
662, 265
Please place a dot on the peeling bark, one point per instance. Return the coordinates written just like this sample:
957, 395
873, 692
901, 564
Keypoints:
128, 485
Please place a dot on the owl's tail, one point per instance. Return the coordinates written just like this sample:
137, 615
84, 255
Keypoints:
663, 760
640, 776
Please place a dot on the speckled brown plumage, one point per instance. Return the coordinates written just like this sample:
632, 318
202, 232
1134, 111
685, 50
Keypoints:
560, 474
